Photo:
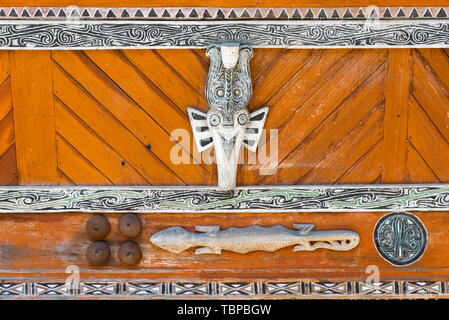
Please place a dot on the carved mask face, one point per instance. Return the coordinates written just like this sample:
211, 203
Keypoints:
228, 124
228, 129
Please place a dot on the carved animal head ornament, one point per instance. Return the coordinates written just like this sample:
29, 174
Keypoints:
228, 125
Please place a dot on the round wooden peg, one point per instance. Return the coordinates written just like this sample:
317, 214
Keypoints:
98, 227
98, 253
130, 225
129, 253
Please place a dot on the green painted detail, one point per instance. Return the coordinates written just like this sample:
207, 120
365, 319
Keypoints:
241, 198
397, 202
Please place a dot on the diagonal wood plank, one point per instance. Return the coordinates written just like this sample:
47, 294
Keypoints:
77, 168
418, 170
102, 156
192, 65
157, 170
430, 95
438, 61
4, 66
161, 74
277, 73
112, 132
63, 180
5, 98
428, 141
316, 109
324, 138
304, 84
87, 75
6, 133
262, 59
109, 94
367, 169
8, 166
343, 83
349, 150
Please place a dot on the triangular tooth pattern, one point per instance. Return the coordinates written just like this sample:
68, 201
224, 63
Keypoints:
354, 11
212, 12
239, 11
329, 12
245, 14
421, 11
270, 14
296, 14
220, 14
441, 13
263, 12
226, 11
407, 11
232, 14
159, 12
251, 12
303, 11
401, 13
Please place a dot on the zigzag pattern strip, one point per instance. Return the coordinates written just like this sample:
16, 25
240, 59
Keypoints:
211, 13
251, 199
290, 34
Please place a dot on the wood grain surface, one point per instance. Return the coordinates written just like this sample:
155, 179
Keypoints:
46, 244
113, 117
107, 117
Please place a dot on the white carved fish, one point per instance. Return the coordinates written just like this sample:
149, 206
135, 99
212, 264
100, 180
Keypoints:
253, 238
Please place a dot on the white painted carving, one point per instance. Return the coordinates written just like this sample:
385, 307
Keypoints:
228, 125
253, 238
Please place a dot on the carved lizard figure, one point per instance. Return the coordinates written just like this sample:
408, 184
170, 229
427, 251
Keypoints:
253, 238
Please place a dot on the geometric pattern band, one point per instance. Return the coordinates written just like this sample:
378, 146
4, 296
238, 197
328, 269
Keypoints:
225, 290
216, 13
176, 199
80, 35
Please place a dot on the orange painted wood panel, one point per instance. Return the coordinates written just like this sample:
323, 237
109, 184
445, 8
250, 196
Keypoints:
8, 167
394, 168
104, 118
317, 99
45, 244
34, 119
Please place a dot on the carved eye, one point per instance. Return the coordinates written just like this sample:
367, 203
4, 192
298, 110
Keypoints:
242, 119
237, 93
214, 120
220, 92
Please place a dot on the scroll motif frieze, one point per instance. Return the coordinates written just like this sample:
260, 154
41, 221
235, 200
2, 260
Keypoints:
359, 198
201, 34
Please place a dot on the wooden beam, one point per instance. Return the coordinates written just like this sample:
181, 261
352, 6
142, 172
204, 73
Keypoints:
394, 169
34, 117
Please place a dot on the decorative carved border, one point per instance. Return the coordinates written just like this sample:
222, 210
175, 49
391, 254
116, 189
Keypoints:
225, 290
214, 13
346, 198
82, 35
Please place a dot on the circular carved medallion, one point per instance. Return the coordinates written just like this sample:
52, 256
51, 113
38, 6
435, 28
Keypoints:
400, 238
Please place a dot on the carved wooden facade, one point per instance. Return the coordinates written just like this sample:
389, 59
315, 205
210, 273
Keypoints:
354, 97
